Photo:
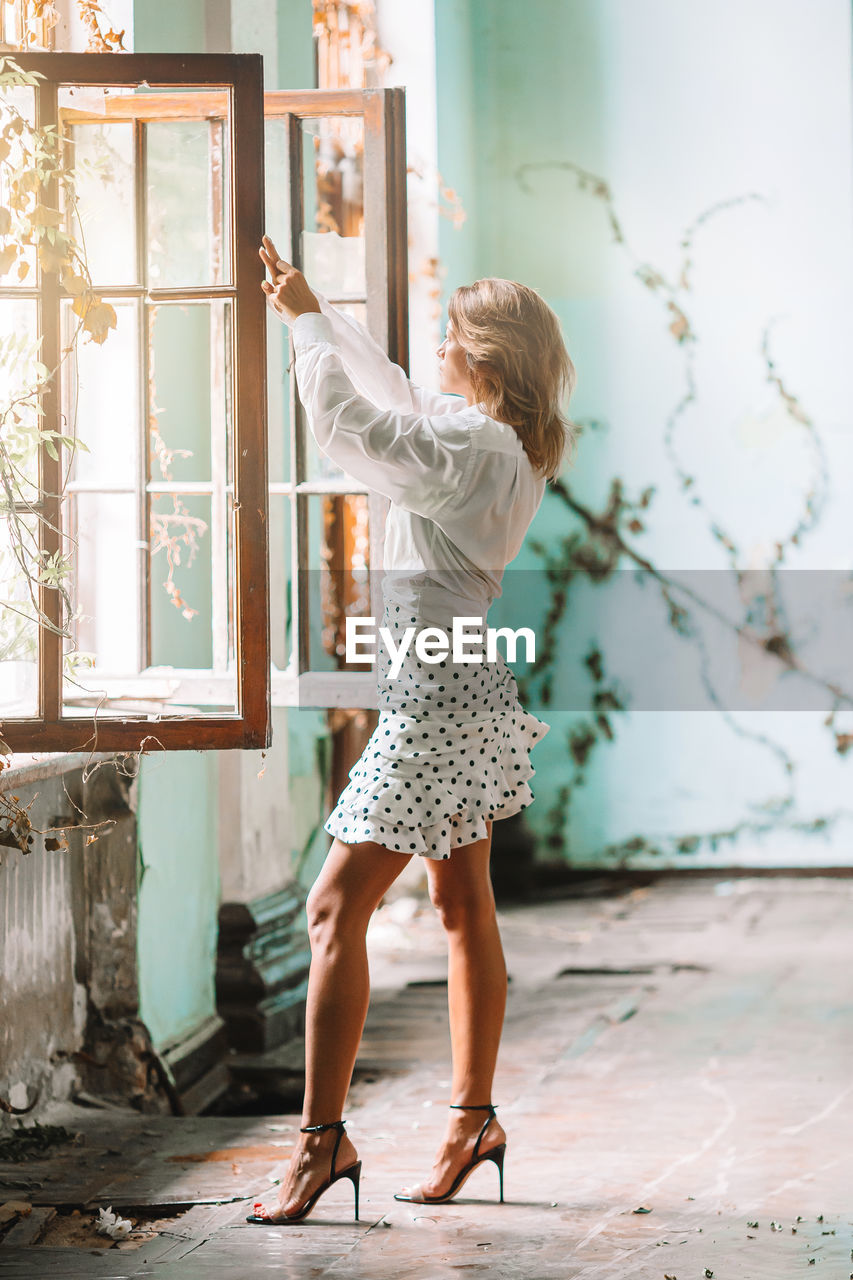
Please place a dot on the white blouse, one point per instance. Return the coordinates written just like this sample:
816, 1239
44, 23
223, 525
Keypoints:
463, 492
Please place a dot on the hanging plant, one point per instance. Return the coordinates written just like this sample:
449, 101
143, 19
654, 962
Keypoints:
40, 232
38, 218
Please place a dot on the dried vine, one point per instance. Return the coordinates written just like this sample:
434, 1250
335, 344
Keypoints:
602, 544
92, 15
176, 533
39, 222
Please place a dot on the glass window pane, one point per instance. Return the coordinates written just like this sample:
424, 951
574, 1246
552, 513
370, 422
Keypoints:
100, 395
103, 158
190, 390
280, 575
180, 589
277, 224
277, 184
338, 576
105, 553
333, 213
279, 375
18, 626
187, 203
19, 375
17, 260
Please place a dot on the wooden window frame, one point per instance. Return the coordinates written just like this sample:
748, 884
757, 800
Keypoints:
386, 300
22, 23
241, 76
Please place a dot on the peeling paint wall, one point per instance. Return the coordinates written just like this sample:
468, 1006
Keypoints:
42, 1006
676, 107
67, 937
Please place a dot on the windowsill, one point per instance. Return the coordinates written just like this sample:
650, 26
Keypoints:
25, 768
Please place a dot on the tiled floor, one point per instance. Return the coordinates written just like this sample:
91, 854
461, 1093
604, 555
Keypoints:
683, 1050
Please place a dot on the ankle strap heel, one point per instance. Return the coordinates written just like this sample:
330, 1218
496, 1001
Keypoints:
321, 1128
495, 1154
486, 1106
263, 1218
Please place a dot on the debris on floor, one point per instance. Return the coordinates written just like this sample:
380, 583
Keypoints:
673, 1080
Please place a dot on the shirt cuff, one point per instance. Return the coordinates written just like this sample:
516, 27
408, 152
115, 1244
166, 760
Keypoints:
310, 327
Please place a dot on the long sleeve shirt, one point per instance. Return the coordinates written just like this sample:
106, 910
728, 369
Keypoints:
462, 490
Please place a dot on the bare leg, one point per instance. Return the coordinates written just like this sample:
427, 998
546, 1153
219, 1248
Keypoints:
350, 886
461, 891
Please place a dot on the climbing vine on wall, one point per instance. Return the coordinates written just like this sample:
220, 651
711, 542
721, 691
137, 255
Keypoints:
600, 542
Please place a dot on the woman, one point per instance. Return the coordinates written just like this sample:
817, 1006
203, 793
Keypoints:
450, 752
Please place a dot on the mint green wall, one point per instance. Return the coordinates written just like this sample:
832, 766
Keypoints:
178, 892
677, 108
160, 27
179, 791
309, 745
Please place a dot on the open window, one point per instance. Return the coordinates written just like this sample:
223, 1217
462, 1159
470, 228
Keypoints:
164, 517
168, 514
341, 217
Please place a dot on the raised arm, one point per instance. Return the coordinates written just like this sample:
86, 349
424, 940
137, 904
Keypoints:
374, 375
419, 461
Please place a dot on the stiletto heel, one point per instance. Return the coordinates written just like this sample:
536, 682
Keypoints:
354, 1175
494, 1153
262, 1218
497, 1154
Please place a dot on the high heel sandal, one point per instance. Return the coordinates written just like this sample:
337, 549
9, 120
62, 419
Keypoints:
494, 1153
353, 1173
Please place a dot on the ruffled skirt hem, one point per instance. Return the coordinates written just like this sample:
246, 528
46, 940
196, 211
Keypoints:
431, 803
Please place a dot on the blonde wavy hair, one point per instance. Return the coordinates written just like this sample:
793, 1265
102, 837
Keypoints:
519, 367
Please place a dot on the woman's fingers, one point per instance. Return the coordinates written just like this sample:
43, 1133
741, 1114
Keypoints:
287, 292
272, 258
270, 248
268, 262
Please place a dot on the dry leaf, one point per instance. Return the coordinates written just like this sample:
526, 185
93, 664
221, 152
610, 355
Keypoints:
74, 284
43, 216
52, 257
98, 316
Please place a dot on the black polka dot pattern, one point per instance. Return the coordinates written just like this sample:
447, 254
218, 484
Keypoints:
450, 751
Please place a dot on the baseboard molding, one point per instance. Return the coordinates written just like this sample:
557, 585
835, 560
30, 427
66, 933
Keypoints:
262, 969
197, 1065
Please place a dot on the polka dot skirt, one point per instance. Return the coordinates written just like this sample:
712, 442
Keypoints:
450, 751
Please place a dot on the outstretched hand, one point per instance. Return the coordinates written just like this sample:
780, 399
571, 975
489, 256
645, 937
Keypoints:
289, 294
